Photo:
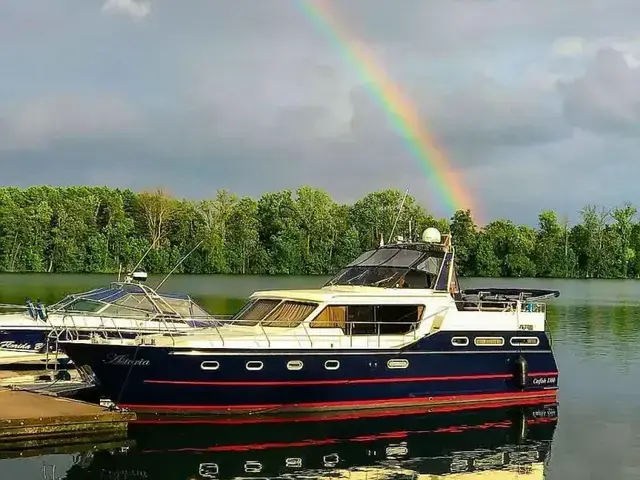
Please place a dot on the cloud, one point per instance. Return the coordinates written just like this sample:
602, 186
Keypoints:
251, 96
480, 114
135, 9
40, 122
607, 97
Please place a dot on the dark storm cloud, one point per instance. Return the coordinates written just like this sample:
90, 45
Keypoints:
607, 97
250, 96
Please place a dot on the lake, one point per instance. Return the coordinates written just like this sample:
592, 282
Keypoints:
595, 326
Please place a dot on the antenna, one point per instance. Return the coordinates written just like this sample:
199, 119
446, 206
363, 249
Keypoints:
178, 264
406, 192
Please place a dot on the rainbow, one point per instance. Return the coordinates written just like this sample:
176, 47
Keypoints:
401, 114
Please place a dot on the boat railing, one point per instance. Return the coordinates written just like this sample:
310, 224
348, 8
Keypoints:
86, 325
372, 335
505, 306
354, 333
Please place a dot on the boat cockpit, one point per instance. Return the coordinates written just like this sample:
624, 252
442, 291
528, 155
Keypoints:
126, 299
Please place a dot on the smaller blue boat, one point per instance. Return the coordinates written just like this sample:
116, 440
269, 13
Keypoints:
124, 309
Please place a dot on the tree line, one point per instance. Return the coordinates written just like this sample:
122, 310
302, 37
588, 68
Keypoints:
103, 230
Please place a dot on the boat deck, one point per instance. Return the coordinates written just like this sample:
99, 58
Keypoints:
26, 415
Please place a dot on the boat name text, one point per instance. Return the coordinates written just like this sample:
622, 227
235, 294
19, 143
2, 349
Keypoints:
544, 381
11, 345
125, 361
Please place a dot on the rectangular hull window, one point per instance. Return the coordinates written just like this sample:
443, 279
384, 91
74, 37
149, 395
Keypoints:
489, 341
525, 341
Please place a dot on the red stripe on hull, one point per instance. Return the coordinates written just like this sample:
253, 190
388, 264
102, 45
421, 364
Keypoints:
342, 382
338, 416
443, 400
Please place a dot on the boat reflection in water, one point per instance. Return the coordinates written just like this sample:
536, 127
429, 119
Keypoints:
496, 443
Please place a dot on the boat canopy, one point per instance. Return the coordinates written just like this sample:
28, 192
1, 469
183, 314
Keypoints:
129, 299
412, 265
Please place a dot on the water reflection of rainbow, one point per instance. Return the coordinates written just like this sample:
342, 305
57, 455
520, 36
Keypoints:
401, 113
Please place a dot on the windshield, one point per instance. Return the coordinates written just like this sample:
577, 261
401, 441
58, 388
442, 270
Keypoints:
392, 268
83, 305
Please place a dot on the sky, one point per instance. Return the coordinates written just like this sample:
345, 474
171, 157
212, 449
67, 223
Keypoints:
536, 103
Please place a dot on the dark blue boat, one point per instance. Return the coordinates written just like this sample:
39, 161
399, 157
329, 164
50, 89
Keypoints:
391, 330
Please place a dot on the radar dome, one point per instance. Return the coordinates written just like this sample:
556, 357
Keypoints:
431, 235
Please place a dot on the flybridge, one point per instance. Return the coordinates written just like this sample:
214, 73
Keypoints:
421, 265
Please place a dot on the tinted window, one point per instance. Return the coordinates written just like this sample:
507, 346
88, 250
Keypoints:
289, 314
254, 311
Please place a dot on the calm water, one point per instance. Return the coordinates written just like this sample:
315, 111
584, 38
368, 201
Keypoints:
595, 324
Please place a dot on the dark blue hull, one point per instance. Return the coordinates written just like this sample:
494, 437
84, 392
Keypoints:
169, 379
34, 340
27, 341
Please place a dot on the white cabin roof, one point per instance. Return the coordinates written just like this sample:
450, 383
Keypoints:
327, 294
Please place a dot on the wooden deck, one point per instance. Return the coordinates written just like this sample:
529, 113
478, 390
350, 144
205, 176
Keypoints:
27, 415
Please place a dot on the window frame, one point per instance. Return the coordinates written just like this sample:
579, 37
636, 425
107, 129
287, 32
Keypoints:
475, 341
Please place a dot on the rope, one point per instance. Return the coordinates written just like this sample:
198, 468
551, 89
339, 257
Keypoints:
126, 380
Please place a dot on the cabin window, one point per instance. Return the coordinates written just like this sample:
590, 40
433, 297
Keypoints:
397, 363
295, 365
254, 365
254, 311
210, 365
525, 341
383, 319
397, 319
459, 341
332, 364
332, 316
489, 341
289, 314
370, 319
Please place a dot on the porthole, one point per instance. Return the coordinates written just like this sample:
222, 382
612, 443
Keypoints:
252, 466
330, 460
210, 365
332, 364
459, 341
293, 462
254, 365
489, 341
398, 363
525, 341
208, 470
295, 365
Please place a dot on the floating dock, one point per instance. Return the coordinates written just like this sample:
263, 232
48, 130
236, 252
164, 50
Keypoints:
26, 415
